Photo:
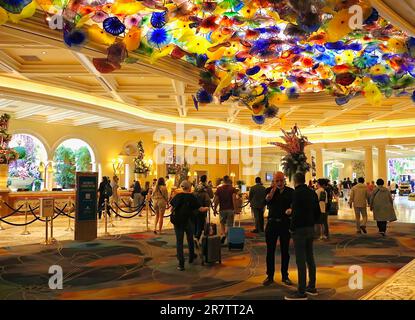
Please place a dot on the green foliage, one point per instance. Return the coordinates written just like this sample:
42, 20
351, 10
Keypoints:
83, 159
65, 166
21, 151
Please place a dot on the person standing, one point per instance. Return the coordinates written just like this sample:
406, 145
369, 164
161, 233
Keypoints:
184, 204
225, 198
359, 199
204, 195
169, 185
381, 203
305, 213
393, 188
256, 198
279, 199
160, 201
323, 226
115, 198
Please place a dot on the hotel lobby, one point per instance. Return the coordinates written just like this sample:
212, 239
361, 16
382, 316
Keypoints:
231, 90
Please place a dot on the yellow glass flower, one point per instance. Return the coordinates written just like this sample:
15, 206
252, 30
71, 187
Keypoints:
27, 12
3, 16
338, 27
133, 38
96, 34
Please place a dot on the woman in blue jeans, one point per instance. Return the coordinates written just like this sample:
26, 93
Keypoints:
184, 205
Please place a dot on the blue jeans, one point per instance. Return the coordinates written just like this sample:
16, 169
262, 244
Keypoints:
180, 230
303, 244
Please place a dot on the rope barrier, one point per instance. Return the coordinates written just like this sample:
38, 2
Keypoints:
140, 208
19, 224
124, 217
38, 217
14, 211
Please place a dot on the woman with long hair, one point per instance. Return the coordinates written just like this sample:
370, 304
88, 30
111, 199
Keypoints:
160, 199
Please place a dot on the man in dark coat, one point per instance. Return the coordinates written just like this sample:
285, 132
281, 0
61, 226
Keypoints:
305, 214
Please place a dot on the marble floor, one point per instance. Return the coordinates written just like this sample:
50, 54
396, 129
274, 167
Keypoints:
11, 235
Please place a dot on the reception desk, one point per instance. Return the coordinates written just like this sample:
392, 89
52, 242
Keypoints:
62, 198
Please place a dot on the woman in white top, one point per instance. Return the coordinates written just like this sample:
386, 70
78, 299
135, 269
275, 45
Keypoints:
160, 198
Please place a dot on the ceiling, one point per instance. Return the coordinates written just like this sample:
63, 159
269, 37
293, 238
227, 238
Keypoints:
33, 52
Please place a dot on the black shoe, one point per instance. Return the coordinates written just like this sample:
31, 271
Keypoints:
296, 296
382, 234
287, 281
268, 281
180, 268
311, 291
363, 229
191, 259
222, 240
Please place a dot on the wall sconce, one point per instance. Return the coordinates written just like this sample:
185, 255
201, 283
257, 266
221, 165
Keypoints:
232, 175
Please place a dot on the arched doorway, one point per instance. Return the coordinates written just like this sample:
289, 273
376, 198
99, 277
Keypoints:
24, 172
70, 156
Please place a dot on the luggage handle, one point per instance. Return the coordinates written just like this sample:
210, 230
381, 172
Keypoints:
239, 220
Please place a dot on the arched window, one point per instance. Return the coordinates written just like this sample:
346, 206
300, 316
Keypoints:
24, 172
70, 156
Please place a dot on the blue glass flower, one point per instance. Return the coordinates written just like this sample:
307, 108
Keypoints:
326, 58
114, 26
253, 70
14, 6
374, 16
339, 45
158, 37
203, 96
343, 100
158, 19
413, 97
74, 37
258, 119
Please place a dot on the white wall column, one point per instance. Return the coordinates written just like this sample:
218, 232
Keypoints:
368, 164
382, 163
319, 163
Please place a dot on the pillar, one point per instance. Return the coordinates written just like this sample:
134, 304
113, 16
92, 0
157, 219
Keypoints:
382, 163
319, 163
368, 164
308, 175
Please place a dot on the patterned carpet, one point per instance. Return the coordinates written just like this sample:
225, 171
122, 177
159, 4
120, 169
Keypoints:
143, 266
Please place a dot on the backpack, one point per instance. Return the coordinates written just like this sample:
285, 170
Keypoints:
107, 190
181, 214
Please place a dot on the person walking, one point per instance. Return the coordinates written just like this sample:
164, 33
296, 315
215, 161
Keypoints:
256, 198
225, 198
381, 204
204, 194
136, 195
160, 200
279, 199
323, 226
104, 193
305, 213
393, 188
359, 199
184, 205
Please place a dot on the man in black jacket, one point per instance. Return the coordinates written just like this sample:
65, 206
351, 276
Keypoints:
279, 199
304, 215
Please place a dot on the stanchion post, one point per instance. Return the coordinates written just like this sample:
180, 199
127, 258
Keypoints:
1, 205
111, 225
25, 231
69, 228
105, 217
147, 212
52, 239
46, 231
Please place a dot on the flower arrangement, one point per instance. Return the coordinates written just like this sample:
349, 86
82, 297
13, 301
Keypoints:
295, 160
6, 154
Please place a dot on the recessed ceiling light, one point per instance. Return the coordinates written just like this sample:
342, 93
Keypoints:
44, 52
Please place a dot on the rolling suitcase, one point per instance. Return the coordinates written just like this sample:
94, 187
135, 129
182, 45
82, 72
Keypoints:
236, 236
211, 244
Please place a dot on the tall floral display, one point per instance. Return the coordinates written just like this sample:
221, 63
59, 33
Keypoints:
295, 160
6, 153
140, 166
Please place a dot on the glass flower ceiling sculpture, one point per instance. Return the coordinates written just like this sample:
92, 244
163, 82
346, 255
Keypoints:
259, 53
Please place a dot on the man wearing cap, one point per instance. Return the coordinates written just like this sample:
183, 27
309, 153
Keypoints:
279, 199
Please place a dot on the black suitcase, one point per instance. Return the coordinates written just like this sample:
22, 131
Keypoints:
211, 245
